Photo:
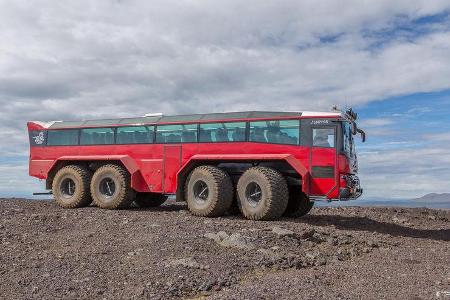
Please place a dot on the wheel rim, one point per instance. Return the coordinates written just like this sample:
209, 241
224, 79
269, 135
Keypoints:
107, 187
67, 188
201, 191
253, 194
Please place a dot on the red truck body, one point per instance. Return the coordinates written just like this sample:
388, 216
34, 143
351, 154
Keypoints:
161, 167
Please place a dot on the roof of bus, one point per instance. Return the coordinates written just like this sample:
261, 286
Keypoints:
159, 118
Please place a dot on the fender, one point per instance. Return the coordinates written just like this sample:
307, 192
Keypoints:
137, 180
289, 158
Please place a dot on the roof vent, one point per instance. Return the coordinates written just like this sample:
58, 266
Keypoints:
154, 115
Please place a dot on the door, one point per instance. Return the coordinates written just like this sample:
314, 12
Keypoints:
172, 164
323, 160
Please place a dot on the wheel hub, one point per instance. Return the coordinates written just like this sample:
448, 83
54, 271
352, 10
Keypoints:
67, 188
107, 187
253, 194
201, 191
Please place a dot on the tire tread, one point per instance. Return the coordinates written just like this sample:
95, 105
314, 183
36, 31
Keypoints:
299, 204
277, 200
224, 195
126, 192
84, 199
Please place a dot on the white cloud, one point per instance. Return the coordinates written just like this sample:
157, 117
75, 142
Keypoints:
438, 137
84, 59
14, 180
406, 172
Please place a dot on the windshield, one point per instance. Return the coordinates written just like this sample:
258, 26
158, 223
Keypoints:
349, 147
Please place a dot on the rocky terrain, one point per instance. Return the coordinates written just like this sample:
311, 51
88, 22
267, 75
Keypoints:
334, 253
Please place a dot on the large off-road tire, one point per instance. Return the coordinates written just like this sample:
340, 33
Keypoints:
70, 187
209, 191
110, 187
299, 204
149, 199
262, 194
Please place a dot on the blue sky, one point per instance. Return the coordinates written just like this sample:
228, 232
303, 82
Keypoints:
407, 149
85, 59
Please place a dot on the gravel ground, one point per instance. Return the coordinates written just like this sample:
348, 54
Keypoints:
334, 253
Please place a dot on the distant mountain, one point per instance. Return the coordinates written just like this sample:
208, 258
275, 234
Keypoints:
435, 198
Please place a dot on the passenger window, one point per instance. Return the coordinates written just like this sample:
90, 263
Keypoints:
222, 132
323, 137
135, 135
276, 131
62, 137
97, 136
186, 133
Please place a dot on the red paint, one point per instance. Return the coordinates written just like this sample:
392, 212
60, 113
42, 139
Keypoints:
155, 167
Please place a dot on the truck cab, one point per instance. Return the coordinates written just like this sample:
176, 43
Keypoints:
333, 164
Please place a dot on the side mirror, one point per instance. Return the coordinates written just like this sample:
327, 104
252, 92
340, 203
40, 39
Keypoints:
363, 134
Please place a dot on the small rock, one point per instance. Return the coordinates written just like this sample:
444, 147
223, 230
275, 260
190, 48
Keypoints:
332, 241
366, 250
281, 232
311, 255
234, 240
237, 241
222, 235
308, 234
188, 262
206, 286
344, 242
321, 261
212, 236
372, 244
268, 253
400, 220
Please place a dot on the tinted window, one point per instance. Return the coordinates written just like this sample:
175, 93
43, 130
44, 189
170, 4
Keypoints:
347, 137
62, 137
276, 131
97, 136
323, 137
134, 135
222, 132
176, 133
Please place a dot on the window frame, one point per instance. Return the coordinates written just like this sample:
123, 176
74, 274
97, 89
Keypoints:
281, 120
228, 122
114, 130
335, 141
63, 129
197, 131
197, 126
153, 135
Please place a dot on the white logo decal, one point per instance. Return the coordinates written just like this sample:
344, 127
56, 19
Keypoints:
39, 139
318, 122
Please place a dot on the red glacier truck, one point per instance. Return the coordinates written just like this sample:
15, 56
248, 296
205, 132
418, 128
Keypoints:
268, 164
